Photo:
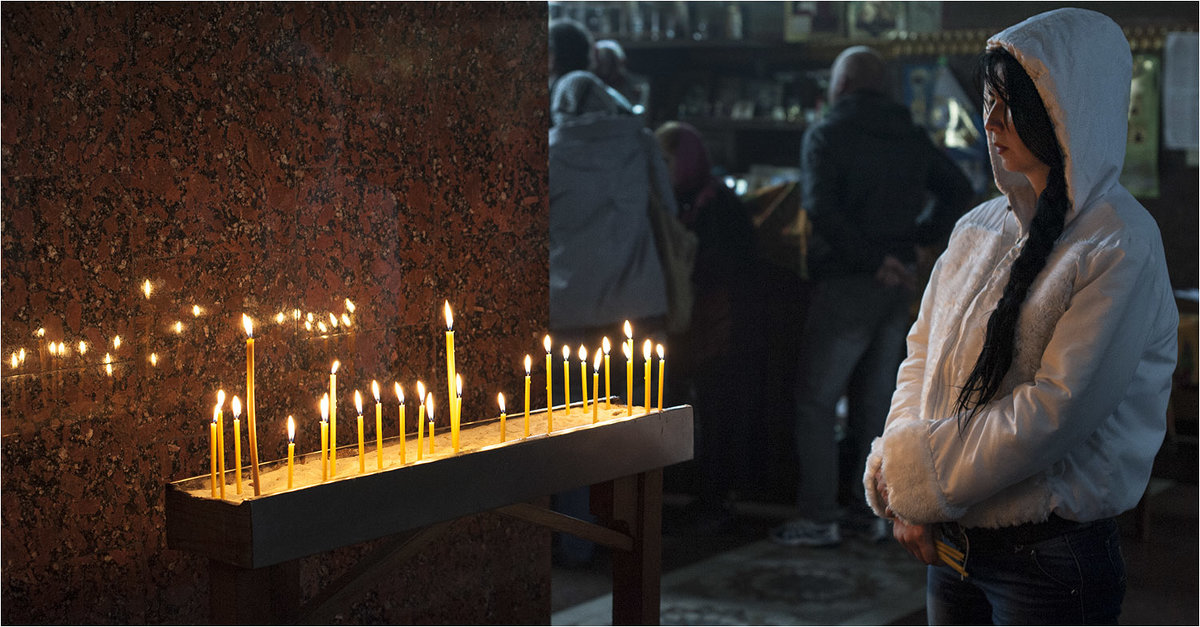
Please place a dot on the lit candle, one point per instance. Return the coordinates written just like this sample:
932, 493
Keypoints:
333, 418
252, 427
400, 397
325, 437
583, 375
457, 414
528, 366
607, 378
549, 387
236, 403
629, 336
628, 350
362, 463
291, 448
450, 379
378, 426
646, 349
429, 415
500, 401
662, 365
566, 351
421, 421
596, 389
212, 452
221, 440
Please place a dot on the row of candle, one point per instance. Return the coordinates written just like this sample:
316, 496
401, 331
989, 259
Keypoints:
328, 406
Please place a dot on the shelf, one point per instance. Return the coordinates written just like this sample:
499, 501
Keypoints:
728, 124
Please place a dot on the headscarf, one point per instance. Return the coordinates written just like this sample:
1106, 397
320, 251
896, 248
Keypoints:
691, 176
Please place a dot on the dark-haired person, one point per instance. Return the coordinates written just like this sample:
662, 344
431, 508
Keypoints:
571, 49
1032, 401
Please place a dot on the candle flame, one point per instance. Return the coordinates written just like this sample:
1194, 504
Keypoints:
196, 311
22, 355
321, 326
291, 429
307, 326
40, 332
53, 348
345, 320
248, 324
349, 305
605, 345
646, 348
15, 361
449, 318
220, 398
528, 364
215, 410
583, 354
334, 367
500, 400
566, 352
429, 410
420, 390
547, 344
399, 392
325, 408
458, 384
625, 348
108, 358
596, 362
82, 347
628, 330
116, 342
108, 369
659, 349
147, 288
153, 359
358, 402
178, 327
279, 318
333, 321
236, 405
295, 314
309, 317
375, 389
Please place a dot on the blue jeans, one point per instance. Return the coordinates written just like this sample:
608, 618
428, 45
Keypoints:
852, 345
1077, 578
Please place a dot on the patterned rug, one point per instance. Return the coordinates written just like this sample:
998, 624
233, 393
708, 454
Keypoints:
856, 583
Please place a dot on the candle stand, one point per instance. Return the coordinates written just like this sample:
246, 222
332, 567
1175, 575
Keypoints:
253, 545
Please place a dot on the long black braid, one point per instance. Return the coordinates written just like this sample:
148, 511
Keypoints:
1009, 81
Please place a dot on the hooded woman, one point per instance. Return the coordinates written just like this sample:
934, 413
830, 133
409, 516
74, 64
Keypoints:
1032, 402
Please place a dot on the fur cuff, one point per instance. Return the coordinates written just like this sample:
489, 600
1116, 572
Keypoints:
914, 492
871, 478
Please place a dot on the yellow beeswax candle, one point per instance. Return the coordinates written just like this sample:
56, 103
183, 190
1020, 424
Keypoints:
333, 446
212, 452
583, 375
221, 441
628, 350
362, 463
607, 374
646, 349
596, 389
457, 409
421, 420
400, 397
251, 426
429, 415
236, 404
325, 437
549, 387
500, 401
566, 351
450, 378
528, 366
378, 426
291, 426
662, 365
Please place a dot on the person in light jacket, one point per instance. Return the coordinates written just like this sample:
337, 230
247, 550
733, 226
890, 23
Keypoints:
1032, 402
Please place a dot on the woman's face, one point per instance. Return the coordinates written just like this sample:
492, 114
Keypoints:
1014, 156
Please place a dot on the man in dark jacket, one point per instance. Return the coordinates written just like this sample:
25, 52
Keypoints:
869, 175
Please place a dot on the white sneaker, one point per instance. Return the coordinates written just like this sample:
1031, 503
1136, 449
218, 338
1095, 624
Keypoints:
803, 532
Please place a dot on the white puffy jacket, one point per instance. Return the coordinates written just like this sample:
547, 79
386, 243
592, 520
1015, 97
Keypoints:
1081, 413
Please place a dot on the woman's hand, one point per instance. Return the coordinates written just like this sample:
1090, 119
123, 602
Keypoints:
916, 539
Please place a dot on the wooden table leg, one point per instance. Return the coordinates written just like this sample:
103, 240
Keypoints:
261, 596
634, 504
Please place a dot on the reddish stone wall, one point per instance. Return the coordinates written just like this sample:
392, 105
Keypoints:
259, 159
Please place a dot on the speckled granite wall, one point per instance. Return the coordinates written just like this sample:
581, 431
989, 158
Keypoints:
267, 159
